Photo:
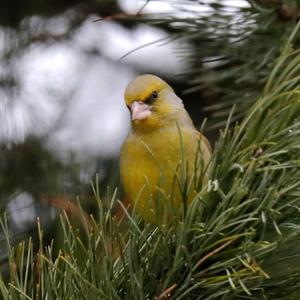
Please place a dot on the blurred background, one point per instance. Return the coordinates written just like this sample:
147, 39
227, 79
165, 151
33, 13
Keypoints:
64, 65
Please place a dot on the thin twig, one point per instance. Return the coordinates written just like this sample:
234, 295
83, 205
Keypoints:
166, 293
215, 251
116, 16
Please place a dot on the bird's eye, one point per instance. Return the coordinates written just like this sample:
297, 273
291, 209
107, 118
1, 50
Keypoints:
154, 95
152, 98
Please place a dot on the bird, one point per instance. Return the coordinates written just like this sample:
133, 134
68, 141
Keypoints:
164, 160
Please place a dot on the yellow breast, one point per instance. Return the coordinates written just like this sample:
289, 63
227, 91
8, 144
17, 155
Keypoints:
158, 170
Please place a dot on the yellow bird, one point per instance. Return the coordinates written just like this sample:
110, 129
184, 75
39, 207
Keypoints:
164, 159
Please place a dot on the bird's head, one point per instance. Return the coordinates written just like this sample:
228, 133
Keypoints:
152, 103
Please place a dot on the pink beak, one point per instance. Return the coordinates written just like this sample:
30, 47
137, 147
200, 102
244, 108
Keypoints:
139, 110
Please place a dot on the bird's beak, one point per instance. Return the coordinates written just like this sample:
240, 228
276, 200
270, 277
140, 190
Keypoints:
139, 110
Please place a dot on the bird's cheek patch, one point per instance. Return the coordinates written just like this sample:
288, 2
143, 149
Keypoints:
140, 111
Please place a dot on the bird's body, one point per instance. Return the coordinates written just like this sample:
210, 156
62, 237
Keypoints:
160, 156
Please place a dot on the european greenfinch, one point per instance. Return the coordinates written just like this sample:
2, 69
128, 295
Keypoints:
164, 159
